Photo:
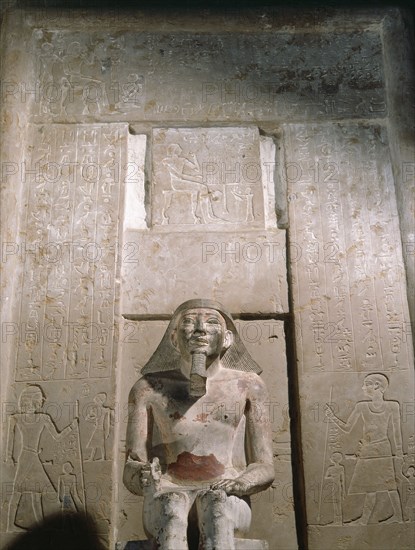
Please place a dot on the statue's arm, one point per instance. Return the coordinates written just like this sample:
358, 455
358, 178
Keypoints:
259, 473
137, 437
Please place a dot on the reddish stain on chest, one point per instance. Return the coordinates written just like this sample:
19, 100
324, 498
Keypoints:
176, 415
196, 468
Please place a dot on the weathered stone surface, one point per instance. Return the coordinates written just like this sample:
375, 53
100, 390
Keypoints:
207, 182
207, 177
350, 289
69, 251
89, 74
63, 332
231, 259
400, 78
282, 75
265, 341
353, 336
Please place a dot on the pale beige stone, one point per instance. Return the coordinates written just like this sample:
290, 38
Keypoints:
353, 336
134, 202
139, 72
231, 259
265, 341
64, 333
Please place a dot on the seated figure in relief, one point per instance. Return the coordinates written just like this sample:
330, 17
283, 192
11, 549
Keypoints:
198, 437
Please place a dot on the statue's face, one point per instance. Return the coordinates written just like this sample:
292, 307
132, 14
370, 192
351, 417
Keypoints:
201, 330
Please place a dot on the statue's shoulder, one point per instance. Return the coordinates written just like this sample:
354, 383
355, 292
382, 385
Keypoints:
257, 388
153, 382
141, 387
252, 384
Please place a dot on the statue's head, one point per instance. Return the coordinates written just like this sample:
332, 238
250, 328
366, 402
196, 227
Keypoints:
201, 330
201, 326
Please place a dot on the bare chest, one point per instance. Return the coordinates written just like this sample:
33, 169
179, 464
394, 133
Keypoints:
223, 406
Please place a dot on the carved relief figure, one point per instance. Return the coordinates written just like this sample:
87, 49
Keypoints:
248, 197
409, 508
376, 466
76, 66
31, 476
68, 490
101, 416
335, 474
186, 176
198, 437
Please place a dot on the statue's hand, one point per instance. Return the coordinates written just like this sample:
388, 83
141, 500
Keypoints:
145, 475
132, 474
237, 487
150, 474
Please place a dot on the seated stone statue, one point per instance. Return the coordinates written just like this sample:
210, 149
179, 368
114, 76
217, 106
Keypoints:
198, 436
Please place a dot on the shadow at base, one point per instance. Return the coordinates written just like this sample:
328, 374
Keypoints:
60, 532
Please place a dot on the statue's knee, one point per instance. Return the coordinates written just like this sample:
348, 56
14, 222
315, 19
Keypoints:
213, 496
165, 512
174, 505
213, 503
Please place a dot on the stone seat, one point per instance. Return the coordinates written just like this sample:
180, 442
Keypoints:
240, 544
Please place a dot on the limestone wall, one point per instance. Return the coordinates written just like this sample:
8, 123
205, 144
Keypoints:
262, 159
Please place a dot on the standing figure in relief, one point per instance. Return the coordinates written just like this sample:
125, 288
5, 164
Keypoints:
68, 490
335, 474
31, 476
375, 468
101, 416
198, 437
409, 508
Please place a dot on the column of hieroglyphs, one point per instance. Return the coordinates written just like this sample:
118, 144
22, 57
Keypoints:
353, 339
68, 191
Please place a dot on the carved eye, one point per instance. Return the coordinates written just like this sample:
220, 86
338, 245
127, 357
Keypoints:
213, 321
188, 321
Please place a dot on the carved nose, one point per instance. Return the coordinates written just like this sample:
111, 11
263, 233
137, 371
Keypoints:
200, 326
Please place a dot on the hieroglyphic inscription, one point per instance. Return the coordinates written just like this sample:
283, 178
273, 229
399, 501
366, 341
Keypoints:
166, 76
73, 178
207, 176
350, 296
